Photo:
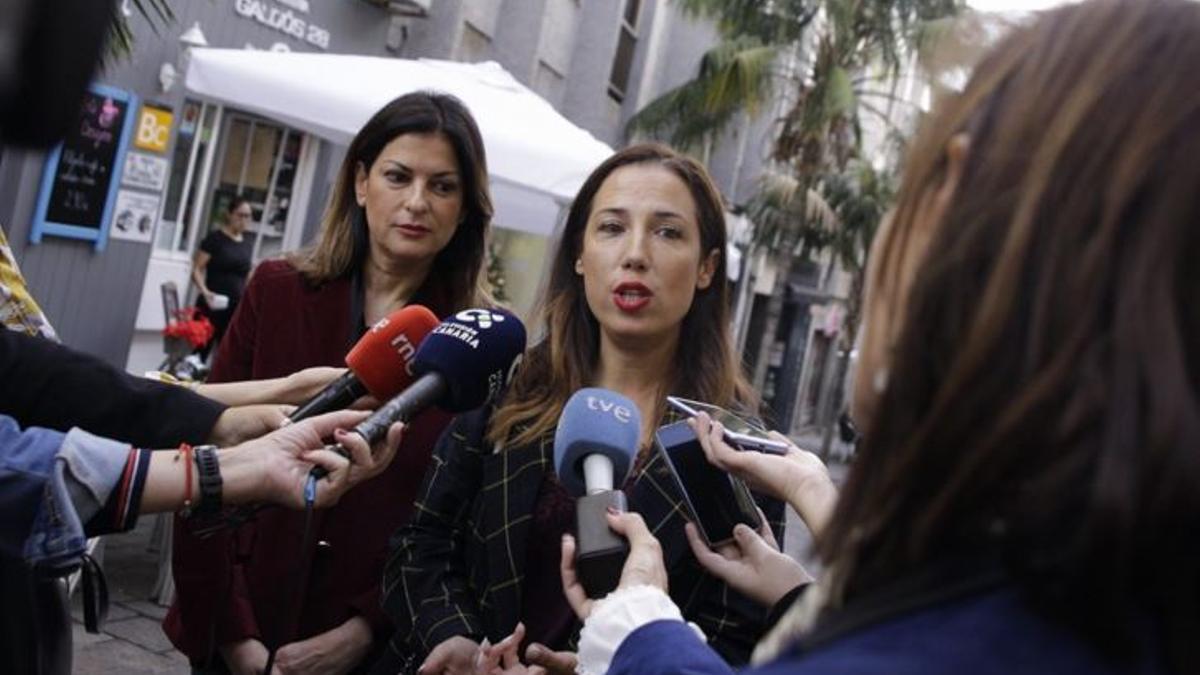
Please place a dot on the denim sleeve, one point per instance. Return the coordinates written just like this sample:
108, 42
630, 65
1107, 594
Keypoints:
50, 484
26, 460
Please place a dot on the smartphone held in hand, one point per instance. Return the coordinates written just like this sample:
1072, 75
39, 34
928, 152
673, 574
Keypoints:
739, 431
717, 501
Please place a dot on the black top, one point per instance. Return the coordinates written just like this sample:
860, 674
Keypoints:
48, 385
230, 263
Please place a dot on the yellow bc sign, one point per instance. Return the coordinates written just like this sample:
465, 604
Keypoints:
153, 128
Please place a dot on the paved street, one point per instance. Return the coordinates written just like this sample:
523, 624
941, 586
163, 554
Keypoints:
132, 641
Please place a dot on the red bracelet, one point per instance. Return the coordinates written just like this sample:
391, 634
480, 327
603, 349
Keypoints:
186, 451
123, 490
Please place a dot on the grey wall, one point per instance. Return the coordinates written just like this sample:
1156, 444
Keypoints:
436, 35
561, 48
586, 100
91, 297
516, 37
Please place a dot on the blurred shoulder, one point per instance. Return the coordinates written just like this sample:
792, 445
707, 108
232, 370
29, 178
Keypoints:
276, 271
277, 283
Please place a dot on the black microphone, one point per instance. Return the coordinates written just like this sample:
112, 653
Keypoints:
594, 448
379, 364
466, 361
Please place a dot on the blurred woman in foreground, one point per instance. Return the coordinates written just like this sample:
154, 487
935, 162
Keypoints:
1025, 497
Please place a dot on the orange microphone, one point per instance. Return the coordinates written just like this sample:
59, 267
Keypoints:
379, 365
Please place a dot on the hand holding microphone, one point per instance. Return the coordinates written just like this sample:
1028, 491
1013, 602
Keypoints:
644, 565
462, 364
380, 363
594, 448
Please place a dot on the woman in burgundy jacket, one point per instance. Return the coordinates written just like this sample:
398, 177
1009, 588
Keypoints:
406, 224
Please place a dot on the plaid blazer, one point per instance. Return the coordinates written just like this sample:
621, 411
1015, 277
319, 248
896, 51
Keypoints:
457, 567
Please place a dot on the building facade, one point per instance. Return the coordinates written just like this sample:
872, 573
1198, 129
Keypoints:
98, 299
596, 61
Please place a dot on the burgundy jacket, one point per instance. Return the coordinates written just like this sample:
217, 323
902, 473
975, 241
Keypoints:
242, 583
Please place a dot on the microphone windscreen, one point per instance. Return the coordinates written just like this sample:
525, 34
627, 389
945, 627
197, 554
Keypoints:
476, 352
595, 421
383, 358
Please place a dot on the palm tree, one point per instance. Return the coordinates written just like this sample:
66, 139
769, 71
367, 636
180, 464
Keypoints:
156, 12
831, 62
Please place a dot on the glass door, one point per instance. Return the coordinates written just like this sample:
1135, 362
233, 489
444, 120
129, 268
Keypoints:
258, 161
189, 165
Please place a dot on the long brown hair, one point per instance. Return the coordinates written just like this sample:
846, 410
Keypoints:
343, 244
566, 358
1042, 405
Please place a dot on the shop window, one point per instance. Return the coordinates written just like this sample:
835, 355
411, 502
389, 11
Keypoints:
618, 80
221, 156
195, 135
259, 163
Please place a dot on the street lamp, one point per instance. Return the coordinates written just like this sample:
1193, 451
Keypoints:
189, 40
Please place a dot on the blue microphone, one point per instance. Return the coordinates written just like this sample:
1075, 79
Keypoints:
466, 361
594, 448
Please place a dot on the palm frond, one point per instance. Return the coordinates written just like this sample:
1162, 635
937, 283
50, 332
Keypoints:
157, 13
859, 197
788, 215
733, 76
738, 73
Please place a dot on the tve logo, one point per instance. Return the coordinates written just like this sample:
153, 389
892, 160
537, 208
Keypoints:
153, 128
618, 411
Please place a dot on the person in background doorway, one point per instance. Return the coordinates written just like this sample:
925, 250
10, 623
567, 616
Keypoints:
220, 268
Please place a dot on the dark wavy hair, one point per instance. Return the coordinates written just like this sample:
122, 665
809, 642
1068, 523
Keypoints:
343, 244
1043, 405
566, 358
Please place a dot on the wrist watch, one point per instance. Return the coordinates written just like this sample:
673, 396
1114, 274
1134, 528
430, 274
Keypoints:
210, 480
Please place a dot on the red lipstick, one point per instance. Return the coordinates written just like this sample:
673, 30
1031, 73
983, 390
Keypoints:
412, 230
631, 296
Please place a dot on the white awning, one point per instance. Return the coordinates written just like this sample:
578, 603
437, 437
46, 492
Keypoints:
537, 158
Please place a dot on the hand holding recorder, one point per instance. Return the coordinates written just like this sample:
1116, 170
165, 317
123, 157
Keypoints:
716, 501
798, 477
463, 363
380, 364
739, 431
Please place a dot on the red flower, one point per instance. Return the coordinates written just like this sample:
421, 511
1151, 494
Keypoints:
190, 325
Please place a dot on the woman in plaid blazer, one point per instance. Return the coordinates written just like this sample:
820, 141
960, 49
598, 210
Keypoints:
637, 303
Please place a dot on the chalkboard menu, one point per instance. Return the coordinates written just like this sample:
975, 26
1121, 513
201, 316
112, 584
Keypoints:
81, 175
